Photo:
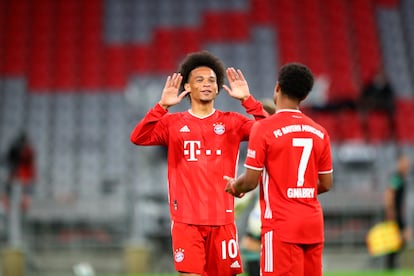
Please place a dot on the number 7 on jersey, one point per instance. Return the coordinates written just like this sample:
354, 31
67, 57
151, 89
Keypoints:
306, 144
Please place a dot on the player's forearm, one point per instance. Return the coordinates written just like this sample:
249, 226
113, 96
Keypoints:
243, 184
255, 108
325, 183
143, 133
322, 189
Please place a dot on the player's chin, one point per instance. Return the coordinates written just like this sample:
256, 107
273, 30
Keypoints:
207, 100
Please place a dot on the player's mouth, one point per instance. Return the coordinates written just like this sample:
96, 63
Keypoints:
206, 92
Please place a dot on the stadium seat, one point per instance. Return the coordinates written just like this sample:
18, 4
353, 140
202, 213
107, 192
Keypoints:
367, 42
331, 123
91, 67
349, 125
403, 119
213, 27
260, 12
15, 29
378, 127
140, 59
116, 67
237, 26
163, 50
387, 3
189, 40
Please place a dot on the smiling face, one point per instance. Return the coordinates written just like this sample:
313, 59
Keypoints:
202, 84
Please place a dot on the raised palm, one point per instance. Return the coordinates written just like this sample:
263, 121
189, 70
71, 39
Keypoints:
239, 88
170, 94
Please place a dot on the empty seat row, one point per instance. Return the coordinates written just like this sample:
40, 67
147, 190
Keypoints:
80, 52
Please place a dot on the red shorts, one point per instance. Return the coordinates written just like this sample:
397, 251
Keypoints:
206, 250
290, 259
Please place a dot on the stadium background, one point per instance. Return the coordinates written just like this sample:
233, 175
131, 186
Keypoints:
78, 75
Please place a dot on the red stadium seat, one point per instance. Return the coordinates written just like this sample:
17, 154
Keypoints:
378, 127
213, 27
65, 73
189, 40
350, 125
140, 59
331, 123
116, 67
368, 48
388, 3
260, 12
226, 26
91, 69
40, 77
16, 32
73, 30
237, 26
404, 120
164, 50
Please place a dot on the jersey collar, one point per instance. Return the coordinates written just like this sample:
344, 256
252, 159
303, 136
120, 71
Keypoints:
201, 117
289, 110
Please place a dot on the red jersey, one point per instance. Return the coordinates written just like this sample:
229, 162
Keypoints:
200, 152
293, 150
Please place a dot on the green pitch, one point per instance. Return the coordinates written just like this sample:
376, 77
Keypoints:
343, 273
372, 273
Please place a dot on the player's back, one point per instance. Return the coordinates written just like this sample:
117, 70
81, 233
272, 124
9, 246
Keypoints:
297, 151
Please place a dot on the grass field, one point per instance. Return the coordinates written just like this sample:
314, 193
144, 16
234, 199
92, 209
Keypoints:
372, 273
342, 273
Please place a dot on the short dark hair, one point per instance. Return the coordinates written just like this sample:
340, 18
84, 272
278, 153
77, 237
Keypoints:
295, 80
200, 59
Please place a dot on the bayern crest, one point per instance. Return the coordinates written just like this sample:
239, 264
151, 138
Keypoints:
219, 128
179, 255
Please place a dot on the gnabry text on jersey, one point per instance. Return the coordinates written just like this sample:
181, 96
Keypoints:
301, 192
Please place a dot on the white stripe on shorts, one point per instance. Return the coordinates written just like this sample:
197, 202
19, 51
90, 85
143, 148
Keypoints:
268, 244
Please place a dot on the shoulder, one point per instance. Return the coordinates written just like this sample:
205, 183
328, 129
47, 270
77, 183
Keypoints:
175, 115
315, 124
232, 115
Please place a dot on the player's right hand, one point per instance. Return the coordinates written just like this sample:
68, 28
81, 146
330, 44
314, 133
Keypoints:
239, 89
230, 187
170, 94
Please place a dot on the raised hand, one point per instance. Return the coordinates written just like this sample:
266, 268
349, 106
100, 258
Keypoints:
238, 85
170, 94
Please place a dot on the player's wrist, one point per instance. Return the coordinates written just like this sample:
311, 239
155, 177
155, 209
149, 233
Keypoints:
163, 105
232, 188
244, 98
234, 191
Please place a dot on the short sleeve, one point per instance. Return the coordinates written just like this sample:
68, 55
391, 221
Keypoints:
256, 149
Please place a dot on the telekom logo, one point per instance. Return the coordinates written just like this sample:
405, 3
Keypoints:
192, 150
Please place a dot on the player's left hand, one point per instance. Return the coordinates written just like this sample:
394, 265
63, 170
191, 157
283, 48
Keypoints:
239, 88
230, 187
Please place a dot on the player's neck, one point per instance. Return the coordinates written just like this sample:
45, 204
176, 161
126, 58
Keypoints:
287, 104
284, 102
202, 109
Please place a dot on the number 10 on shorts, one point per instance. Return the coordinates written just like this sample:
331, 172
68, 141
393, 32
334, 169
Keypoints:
229, 249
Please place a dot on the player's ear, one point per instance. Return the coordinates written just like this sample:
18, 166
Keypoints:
187, 87
277, 88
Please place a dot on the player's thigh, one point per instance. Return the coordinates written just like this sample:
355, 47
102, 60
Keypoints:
280, 258
188, 248
223, 251
313, 259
